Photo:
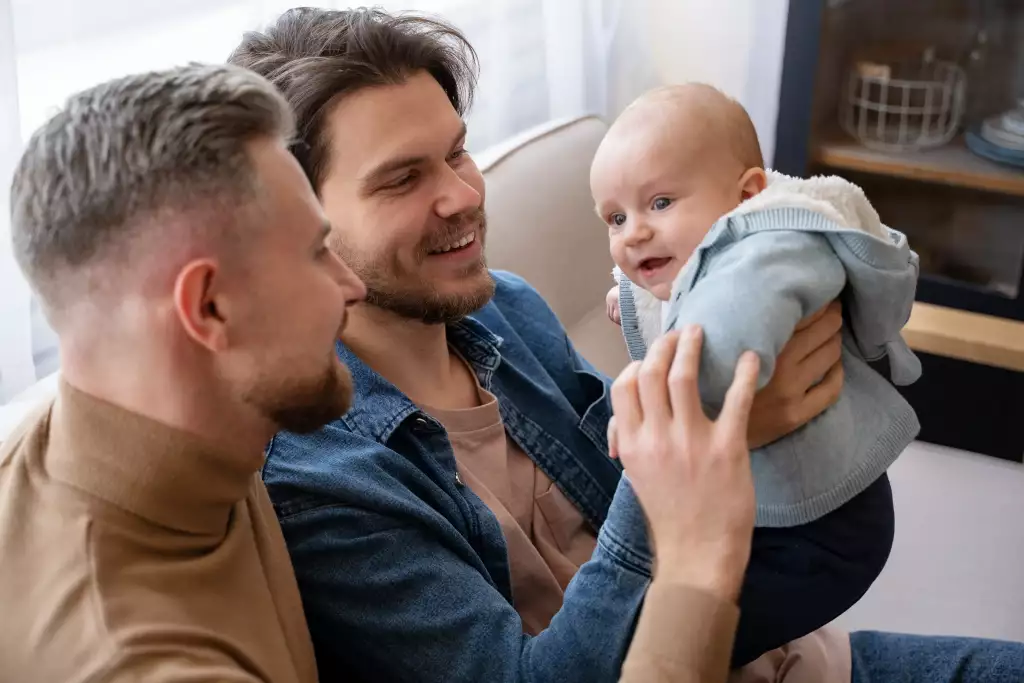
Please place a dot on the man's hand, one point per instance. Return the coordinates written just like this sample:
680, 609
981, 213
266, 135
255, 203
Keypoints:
807, 380
692, 475
611, 304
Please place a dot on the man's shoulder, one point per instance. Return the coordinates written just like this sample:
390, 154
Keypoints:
338, 465
328, 456
512, 290
48, 554
89, 584
517, 304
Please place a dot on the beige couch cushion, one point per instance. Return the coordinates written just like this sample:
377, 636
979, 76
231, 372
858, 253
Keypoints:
542, 226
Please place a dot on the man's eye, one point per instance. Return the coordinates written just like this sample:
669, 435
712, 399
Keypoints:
405, 180
662, 203
617, 219
458, 154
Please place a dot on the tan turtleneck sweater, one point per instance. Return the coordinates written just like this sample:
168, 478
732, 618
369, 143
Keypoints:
132, 551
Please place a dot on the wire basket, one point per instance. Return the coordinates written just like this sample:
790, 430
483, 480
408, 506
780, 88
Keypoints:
897, 108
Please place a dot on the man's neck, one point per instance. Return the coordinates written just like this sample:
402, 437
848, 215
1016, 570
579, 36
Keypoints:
413, 356
166, 392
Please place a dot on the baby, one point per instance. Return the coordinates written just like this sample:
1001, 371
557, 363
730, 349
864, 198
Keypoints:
702, 234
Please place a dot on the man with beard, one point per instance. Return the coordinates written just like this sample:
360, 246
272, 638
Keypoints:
179, 253
463, 522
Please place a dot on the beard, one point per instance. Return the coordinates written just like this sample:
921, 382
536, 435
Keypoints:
417, 298
303, 405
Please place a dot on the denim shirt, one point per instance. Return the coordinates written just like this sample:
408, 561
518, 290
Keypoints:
404, 571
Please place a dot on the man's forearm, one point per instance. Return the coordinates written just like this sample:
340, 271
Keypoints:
684, 635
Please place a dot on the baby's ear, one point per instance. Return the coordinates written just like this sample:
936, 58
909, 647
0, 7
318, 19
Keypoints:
752, 183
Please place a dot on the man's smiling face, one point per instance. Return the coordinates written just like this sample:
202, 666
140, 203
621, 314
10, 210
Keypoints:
406, 200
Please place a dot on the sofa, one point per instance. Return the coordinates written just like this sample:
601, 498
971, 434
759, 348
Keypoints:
542, 226
957, 562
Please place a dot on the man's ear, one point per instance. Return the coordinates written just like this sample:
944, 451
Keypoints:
752, 183
201, 311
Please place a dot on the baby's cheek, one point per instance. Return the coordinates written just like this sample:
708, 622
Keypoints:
616, 248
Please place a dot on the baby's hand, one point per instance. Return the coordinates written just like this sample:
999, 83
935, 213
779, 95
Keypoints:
611, 302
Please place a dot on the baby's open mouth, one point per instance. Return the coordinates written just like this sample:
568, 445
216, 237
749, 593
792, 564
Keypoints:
651, 265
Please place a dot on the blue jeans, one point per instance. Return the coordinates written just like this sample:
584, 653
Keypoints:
897, 658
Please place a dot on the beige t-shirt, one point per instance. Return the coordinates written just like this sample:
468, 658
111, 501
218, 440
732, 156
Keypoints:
546, 535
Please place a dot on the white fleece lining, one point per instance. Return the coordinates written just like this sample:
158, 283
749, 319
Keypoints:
649, 311
837, 199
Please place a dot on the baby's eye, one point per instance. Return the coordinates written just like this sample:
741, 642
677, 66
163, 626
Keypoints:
617, 219
661, 203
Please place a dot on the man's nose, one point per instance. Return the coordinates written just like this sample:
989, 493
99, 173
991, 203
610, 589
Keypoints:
455, 195
353, 288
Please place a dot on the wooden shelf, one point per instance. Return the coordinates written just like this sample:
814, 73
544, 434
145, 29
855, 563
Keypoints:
967, 336
953, 164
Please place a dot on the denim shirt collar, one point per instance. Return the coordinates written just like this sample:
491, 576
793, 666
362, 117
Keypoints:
379, 407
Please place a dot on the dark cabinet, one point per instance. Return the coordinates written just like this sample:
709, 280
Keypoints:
921, 103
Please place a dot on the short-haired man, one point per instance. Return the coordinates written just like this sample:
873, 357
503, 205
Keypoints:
180, 255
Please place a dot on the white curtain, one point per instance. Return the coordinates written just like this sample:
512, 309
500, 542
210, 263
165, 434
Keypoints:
540, 60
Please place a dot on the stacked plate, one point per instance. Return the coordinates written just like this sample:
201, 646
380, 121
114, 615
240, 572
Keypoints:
1000, 138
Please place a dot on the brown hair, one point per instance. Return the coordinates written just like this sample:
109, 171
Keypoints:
315, 56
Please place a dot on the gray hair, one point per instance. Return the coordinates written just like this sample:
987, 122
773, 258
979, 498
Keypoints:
130, 150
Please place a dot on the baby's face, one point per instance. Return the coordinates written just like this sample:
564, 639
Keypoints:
659, 192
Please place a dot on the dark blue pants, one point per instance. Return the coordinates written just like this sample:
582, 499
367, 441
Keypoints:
801, 578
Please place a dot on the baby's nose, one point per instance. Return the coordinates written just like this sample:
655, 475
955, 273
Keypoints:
637, 231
